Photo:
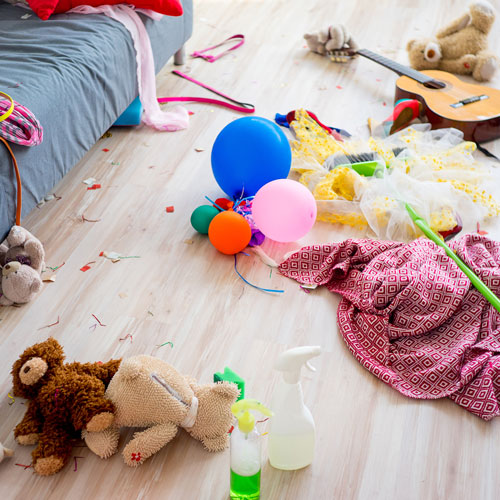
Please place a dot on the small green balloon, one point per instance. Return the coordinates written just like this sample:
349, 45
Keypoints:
202, 217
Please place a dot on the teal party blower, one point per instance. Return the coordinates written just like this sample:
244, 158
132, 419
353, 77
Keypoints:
474, 279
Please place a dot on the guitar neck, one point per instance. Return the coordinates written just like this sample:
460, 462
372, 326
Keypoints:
394, 66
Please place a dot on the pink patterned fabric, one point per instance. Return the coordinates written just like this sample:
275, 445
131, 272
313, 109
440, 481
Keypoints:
411, 317
21, 126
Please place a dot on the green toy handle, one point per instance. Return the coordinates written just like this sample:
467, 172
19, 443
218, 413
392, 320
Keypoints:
474, 279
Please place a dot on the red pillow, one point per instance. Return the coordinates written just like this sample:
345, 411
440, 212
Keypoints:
45, 8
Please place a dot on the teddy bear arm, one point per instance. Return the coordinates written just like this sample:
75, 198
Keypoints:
102, 371
4, 301
36, 253
54, 447
88, 401
146, 443
462, 66
454, 26
30, 426
219, 443
104, 443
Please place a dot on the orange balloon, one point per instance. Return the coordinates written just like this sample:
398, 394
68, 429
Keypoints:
229, 232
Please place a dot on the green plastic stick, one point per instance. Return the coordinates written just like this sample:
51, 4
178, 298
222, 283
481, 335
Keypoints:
474, 279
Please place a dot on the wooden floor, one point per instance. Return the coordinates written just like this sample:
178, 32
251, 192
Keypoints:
372, 443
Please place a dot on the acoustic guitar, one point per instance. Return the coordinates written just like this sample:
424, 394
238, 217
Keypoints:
446, 100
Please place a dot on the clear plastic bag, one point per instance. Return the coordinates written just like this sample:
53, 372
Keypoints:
433, 170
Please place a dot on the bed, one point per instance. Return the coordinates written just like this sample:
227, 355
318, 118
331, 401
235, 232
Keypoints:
77, 74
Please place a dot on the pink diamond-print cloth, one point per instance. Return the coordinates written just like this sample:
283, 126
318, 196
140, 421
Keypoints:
411, 317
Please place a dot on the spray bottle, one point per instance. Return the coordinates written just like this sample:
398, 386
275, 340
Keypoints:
292, 431
245, 451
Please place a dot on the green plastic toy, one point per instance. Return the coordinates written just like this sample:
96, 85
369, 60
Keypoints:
474, 279
230, 376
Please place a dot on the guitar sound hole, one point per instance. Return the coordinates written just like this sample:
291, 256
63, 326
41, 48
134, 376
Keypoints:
435, 84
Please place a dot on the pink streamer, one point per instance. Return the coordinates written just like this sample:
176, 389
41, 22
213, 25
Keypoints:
153, 115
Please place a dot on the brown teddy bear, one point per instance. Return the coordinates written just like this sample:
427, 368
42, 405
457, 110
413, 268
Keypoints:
461, 47
64, 399
148, 392
22, 260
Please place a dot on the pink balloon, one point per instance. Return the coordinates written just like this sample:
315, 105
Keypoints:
284, 210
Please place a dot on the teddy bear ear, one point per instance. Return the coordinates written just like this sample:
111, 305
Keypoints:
409, 45
226, 390
130, 368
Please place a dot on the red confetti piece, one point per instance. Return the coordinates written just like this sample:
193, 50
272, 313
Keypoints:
86, 267
339, 87
101, 254
170, 209
384, 104
97, 319
76, 465
95, 186
105, 150
25, 466
190, 113
231, 430
48, 326
479, 231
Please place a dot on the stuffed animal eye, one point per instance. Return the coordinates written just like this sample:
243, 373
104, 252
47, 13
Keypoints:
27, 369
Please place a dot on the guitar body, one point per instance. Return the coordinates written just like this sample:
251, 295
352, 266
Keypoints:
478, 120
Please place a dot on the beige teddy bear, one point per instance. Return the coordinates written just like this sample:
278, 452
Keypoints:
148, 392
5, 452
333, 38
461, 47
22, 261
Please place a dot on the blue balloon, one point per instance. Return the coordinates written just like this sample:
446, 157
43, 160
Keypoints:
248, 153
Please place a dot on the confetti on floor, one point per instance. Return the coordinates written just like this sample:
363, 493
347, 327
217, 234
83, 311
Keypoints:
86, 267
169, 209
84, 219
94, 186
128, 336
25, 466
106, 135
97, 319
15, 86
105, 150
26, 16
122, 295
115, 256
76, 465
115, 163
340, 87
13, 400
48, 326
189, 241
56, 268
199, 150
165, 343
479, 231
90, 181
50, 278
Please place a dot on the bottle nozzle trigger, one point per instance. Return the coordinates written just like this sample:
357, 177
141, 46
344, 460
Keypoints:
310, 366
